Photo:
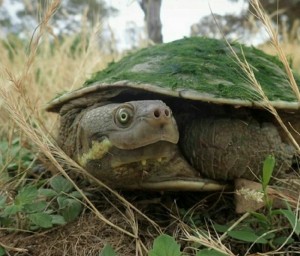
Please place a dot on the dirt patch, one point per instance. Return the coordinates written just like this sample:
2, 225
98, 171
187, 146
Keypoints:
86, 236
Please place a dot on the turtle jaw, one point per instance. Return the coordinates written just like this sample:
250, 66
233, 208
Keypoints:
105, 154
158, 166
124, 168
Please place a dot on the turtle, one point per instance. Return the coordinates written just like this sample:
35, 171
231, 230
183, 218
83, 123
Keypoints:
181, 115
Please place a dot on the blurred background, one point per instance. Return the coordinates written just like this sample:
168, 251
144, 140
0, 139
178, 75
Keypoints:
130, 22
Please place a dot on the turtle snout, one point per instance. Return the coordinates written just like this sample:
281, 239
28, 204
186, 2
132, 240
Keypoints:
162, 113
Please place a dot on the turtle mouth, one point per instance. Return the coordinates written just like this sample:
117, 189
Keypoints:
159, 151
130, 166
104, 153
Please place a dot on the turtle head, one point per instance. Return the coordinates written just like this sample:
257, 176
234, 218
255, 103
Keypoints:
116, 141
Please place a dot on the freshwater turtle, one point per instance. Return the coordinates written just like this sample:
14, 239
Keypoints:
180, 116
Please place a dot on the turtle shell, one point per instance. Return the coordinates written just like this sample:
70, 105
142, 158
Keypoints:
195, 68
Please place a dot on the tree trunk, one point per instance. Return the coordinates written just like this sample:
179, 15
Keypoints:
151, 9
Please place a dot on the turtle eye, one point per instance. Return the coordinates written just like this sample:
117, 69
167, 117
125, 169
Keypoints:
123, 116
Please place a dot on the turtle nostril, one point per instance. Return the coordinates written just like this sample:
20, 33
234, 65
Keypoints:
167, 113
162, 113
157, 113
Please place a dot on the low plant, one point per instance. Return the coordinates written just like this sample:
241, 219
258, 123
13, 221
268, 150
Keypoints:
272, 227
163, 245
14, 158
34, 208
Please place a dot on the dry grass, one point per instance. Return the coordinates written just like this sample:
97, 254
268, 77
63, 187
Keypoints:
290, 49
30, 77
274, 39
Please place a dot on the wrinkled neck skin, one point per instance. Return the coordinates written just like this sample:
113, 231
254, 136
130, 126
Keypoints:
128, 144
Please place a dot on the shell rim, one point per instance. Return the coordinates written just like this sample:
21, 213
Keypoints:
57, 103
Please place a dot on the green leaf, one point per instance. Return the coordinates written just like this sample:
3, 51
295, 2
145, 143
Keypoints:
210, 252
6, 221
2, 251
268, 168
12, 209
290, 215
2, 201
70, 208
1, 161
75, 194
283, 239
221, 228
61, 184
41, 219
107, 251
47, 192
58, 219
26, 195
247, 236
62, 201
261, 217
165, 245
266, 235
35, 207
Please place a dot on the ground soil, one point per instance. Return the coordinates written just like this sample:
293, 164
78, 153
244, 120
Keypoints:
88, 234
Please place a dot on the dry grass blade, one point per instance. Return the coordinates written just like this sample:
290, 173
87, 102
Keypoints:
50, 11
264, 18
236, 223
200, 236
205, 239
14, 249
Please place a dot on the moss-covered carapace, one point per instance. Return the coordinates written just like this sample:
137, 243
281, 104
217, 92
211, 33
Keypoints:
196, 68
202, 64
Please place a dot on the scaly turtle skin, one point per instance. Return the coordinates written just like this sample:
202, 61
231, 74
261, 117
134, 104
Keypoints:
179, 116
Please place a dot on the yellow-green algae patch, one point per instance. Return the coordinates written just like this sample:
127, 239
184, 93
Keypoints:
97, 151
